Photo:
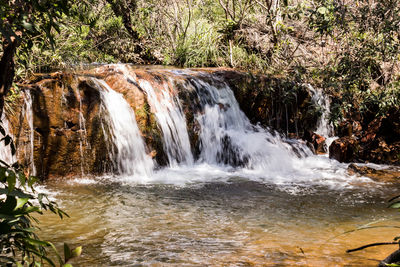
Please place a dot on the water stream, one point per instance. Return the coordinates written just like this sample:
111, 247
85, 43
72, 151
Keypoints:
29, 118
5, 151
129, 151
324, 127
172, 123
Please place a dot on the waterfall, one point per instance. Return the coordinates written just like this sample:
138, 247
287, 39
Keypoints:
172, 122
228, 137
83, 143
5, 151
29, 118
221, 140
129, 150
324, 127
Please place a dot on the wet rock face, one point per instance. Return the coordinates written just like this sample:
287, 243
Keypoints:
378, 141
68, 119
315, 142
283, 105
344, 149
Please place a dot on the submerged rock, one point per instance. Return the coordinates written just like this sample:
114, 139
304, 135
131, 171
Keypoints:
391, 174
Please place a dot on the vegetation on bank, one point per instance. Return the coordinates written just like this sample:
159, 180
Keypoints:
19, 203
351, 49
23, 26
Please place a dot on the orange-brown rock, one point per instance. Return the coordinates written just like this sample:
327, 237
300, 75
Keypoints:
68, 144
344, 149
391, 174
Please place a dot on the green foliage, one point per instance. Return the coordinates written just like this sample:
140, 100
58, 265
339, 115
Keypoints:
323, 19
18, 204
351, 49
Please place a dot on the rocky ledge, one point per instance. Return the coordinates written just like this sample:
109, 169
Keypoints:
67, 120
377, 141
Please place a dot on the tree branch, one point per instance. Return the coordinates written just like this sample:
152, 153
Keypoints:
371, 245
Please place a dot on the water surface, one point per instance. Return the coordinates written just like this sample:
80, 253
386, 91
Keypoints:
235, 221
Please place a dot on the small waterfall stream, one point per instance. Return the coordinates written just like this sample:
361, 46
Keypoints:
129, 152
83, 143
220, 143
5, 151
228, 143
172, 122
228, 137
29, 118
324, 127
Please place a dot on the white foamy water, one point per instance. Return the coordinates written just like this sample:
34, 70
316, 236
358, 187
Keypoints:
324, 127
229, 145
5, 151
29, 118
128, 149
83, 143
227, 136
172, 122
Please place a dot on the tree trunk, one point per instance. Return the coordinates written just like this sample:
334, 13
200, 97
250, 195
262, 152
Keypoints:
7, 68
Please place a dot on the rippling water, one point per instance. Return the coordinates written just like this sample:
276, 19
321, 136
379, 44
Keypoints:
232, 222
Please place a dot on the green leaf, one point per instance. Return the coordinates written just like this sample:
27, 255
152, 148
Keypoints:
67, 253
322, 10
32, 180
3, 174
11, 181
395, 205
9, 205
32, 209
21, 202
37, 242
77, 252
22, 178
67, 265
16, 193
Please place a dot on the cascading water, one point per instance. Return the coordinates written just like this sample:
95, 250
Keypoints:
5, 151
83, 143
172, 122
29, 118
221, 143
227, 136
324, 127
129, 150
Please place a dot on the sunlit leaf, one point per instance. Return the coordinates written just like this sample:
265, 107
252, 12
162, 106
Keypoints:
21, 202
395, 205
77, 252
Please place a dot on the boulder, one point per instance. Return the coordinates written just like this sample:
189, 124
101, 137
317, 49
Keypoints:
316, 142
344, 149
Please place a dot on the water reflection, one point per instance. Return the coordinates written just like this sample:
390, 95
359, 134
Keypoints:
234, 223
